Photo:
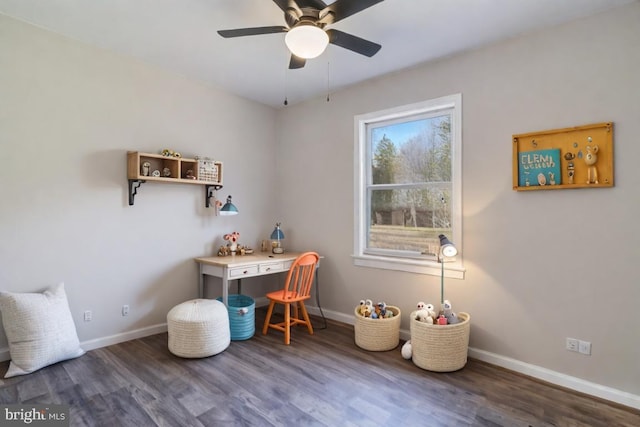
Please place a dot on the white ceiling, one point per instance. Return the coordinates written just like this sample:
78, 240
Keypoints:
180, 36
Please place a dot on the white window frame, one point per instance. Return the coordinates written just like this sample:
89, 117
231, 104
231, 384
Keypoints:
453, 269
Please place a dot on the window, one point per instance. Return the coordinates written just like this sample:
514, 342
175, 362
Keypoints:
408, 186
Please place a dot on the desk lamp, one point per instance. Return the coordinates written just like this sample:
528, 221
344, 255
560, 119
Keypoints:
229, 208
276, 236
447, 250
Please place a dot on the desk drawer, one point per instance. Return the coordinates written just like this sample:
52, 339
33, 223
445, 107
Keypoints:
247, 270
272, 267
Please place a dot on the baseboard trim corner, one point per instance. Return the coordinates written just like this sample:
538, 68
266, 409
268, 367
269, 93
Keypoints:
577, 384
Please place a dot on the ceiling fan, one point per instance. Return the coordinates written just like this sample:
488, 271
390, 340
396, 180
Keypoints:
306, 35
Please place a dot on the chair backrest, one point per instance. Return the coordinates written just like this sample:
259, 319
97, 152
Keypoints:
300, 277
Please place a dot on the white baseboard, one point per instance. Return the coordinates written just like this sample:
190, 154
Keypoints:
125, 336
553, 377
557, 378
110, 340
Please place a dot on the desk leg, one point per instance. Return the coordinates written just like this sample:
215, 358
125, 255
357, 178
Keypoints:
225, 289
201, 283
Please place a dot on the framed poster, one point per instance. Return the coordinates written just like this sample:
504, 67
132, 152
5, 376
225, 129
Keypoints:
539, 167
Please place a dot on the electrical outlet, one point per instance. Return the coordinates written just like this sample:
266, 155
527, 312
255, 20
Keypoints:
125, 310
572, 344
584, 347
88, 316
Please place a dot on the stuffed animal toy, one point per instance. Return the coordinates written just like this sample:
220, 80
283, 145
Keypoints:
381, 310
424, 316
452, 319
369, 305
431, 309
448, 313
407, 350
362, 308
446, 308
365, 308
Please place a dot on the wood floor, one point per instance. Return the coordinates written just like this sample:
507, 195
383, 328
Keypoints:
319, 380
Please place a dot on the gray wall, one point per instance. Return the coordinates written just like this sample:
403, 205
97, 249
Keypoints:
68, 115
538, 264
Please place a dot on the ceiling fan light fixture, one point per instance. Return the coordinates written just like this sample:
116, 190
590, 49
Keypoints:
307, 41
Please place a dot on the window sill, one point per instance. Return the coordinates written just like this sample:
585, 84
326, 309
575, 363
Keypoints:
452, 270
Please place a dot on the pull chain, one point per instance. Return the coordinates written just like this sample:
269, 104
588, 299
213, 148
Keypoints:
286, 70
328, 86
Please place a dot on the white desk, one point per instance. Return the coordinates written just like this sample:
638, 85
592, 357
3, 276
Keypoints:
236, 267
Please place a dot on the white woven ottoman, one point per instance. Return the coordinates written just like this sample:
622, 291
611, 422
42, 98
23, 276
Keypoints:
198, 328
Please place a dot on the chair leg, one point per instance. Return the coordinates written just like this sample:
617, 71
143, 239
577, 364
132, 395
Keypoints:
303, 308
267, 319
296, 315
287, 323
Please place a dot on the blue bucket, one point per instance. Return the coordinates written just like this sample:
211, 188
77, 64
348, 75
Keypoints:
242, 316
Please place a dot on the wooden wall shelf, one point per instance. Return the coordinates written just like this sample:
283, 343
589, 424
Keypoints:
564, 158
175, 170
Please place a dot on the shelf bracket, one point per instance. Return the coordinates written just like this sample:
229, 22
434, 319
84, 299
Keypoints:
208, 195
134, 184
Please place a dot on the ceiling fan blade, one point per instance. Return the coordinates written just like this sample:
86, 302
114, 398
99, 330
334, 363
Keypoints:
255, 31
287, 4
296, 62
351, 42
299, 4
341, 9
316, 4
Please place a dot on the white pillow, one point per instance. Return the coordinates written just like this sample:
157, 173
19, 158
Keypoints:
39, 328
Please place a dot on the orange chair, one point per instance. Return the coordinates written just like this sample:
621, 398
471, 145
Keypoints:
297, 289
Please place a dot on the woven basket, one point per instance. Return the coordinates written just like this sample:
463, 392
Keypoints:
242, 316
378, 334
440, 348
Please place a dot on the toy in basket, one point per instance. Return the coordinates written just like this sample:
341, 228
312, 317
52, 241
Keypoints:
377, 328
439, 347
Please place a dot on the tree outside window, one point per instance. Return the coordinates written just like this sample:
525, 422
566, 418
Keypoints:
407, 180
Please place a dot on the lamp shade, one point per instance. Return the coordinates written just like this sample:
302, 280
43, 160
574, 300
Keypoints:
446, 247
305, 40
277, 233
229, 208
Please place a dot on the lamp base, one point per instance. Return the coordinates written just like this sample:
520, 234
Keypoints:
277, 250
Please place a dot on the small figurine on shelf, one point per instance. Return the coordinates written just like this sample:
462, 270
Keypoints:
590, 160
571, 168
146, 169
190, 174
